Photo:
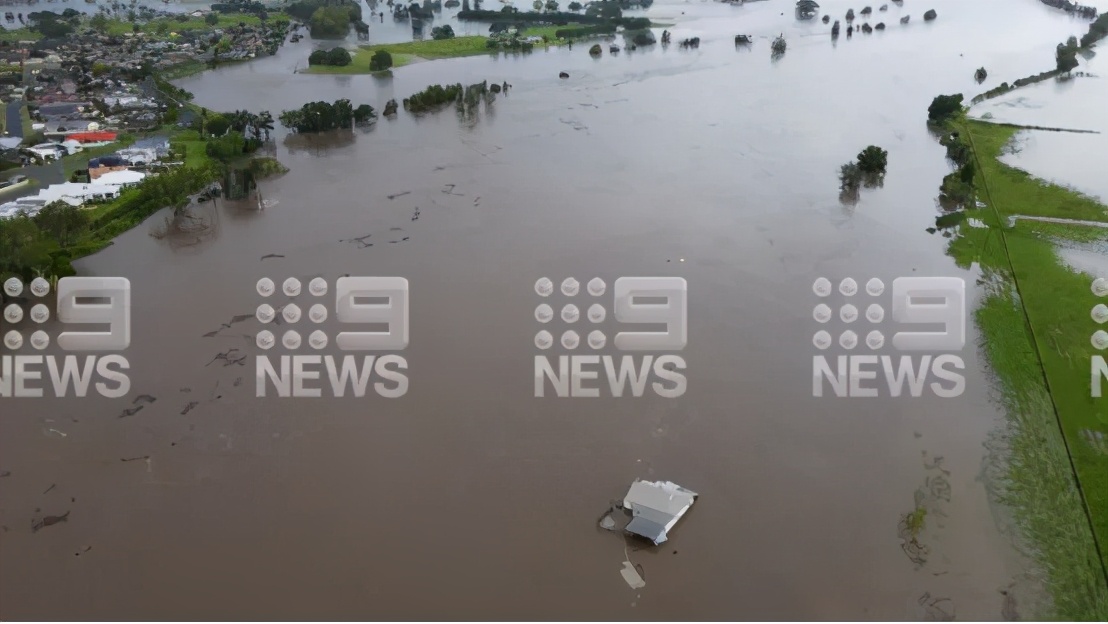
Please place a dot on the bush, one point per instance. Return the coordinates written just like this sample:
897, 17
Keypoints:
439, 33
227, 147
380, 61
642, 38
873, 160
1066, 55
433, 97
338, 57
944, 106
211, 19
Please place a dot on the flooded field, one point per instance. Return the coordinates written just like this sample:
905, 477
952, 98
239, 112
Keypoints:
1061, 157
469, 497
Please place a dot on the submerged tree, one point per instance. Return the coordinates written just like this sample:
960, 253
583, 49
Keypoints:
944, 107
1066, 55
778, 45
806, 9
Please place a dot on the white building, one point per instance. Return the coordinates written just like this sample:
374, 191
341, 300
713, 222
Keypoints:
107, 186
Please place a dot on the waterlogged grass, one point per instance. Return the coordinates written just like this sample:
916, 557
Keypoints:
1039, 483
1060, 232
432, 49
1017, 192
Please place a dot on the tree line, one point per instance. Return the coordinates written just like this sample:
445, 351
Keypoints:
324, 116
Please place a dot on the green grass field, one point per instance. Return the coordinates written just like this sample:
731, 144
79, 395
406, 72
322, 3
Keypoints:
1038, 311
19, 34
359, 63
407, 52
120, 27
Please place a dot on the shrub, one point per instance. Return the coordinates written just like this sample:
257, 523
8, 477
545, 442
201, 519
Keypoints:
442, 32
1066, 55
380, 61
944, 106
873, 160
338, 57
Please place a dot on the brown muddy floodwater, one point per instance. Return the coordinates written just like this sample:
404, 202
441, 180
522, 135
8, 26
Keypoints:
471, 498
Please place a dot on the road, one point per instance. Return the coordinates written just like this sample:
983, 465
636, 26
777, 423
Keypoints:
14, 121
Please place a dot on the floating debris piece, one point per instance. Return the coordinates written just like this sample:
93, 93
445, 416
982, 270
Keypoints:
656, 507
48, 521
131, 459
144, 398
83, 550
631, 574
6, 473
267, 256
395, 195
189, 407
131, 411
52, 485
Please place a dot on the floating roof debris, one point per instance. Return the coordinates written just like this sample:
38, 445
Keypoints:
655, 507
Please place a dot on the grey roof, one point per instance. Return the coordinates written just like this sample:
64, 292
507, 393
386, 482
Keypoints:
650, 530
656, 507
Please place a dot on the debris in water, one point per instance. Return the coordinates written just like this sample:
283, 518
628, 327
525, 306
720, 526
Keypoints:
131, 459
50, 488
607, 522
131, 411
656, 507
360, 241
632, 576
267, 256
83, 550
188, 408
144, 398
48, 521
395, 195
6, 473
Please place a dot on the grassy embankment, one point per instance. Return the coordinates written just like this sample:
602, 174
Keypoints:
429, 49
1036, 326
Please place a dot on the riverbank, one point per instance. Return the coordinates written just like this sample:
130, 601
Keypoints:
1036, 324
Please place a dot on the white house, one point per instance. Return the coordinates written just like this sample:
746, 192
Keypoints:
107, 186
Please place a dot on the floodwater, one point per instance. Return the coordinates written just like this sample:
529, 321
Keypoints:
469, 497
1073, 103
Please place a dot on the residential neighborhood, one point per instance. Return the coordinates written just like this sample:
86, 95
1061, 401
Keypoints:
82, 99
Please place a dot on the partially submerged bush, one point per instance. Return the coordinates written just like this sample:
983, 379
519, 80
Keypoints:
944, 106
